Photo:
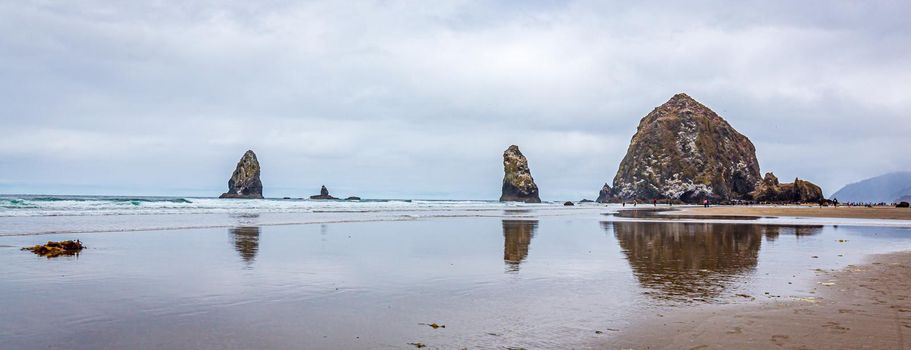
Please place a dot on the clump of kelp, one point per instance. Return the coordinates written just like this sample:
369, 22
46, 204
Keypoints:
54, 249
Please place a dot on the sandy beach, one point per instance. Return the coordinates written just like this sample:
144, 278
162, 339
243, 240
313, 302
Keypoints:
858, 307
803, 211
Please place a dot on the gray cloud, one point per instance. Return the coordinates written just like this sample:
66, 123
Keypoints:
417, 99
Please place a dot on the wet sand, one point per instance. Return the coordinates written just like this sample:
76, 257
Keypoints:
859, 307
803, 211
519, 281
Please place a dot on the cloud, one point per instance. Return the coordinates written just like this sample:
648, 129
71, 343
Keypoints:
417, 99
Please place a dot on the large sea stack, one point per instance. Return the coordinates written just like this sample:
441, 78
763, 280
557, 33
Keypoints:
683, 150
518, 185
245, 182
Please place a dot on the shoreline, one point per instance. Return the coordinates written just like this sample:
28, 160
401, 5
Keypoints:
882, 213
860, 306
50, 225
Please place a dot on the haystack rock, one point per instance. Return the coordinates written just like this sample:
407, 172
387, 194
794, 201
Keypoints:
245, 182
323, 194
800, 191
606, 195
683, 150
518, 185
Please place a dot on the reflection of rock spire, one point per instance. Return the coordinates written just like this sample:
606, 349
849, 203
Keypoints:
246, 242
517, 235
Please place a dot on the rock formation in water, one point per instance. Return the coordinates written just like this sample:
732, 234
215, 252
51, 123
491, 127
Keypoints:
683, 150
518, 185
799, 191
323, 194
606, 195
245, 182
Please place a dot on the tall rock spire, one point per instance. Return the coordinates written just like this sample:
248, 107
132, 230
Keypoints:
518, 185
245, 182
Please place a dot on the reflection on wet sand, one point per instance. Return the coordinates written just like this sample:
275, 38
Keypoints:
517, 235
246, 241
674, 214
693, 261
772, 232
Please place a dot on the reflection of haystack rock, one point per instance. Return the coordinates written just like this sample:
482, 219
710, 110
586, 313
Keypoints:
517, 235
694, 261
688, 261
246, 242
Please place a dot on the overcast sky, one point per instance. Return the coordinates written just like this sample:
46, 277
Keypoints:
419, 99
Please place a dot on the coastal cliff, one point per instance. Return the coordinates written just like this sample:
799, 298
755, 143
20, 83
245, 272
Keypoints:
245, 182
683, 150
518, 185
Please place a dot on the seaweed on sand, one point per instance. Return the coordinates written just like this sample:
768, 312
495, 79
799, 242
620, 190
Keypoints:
54, 249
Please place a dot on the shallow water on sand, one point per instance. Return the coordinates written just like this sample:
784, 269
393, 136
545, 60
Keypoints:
549, 282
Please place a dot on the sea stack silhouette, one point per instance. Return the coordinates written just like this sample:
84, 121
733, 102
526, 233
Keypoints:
683, 150
245, 182
323, 194
518, 185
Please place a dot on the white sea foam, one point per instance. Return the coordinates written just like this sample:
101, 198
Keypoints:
25, 215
